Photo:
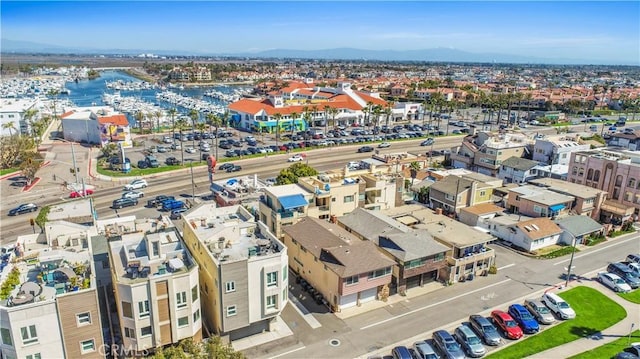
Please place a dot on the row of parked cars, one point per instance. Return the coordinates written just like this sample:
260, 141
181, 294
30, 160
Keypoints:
622, 276
469, 338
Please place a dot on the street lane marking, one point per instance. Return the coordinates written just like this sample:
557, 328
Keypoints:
307, 317
289, 352
433, 305
595, 251
507, 266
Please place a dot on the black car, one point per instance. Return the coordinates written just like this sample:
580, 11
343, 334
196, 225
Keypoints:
172, 161
158, 200
234, 168
224, 166
124, 202
365, 149
23, 208
142, 164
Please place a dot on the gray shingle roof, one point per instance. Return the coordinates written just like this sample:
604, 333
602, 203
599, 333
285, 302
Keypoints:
451, 185
518, 163
411, 245
578, 225
371, 224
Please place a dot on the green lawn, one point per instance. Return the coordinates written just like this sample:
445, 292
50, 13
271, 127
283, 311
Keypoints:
589, 305
633, 297
608, 350
8, 170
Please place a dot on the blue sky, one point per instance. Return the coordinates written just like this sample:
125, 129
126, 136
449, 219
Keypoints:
602, 31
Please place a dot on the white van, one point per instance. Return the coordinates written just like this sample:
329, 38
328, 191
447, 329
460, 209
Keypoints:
558, 306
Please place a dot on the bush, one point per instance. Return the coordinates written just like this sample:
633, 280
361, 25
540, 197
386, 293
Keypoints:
493, 270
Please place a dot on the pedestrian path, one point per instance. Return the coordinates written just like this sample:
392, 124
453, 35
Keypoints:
615, 332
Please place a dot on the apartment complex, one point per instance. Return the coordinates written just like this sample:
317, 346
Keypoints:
243, 270
155, 282
484, 152
466, 189
615, 171
51, 307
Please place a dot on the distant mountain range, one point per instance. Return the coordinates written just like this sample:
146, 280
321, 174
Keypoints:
427, 55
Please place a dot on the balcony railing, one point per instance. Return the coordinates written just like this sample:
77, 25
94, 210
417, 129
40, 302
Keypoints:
471, 257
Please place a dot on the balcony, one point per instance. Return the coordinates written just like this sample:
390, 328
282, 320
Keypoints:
461, 158
287, 217
481, 255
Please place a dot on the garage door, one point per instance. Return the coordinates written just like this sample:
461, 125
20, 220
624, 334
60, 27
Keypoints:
368, 295
348, 301
413, 282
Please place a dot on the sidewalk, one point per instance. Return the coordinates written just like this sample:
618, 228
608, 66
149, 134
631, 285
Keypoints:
615, 332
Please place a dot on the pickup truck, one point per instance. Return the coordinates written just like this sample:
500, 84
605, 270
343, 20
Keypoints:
171, 204
158, 200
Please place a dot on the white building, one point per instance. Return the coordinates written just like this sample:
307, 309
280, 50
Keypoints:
81, 126
13, 111
556, 152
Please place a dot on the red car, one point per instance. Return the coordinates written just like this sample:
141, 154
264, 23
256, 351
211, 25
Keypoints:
507, 324
78, 194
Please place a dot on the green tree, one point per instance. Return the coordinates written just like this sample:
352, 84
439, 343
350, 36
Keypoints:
414, 168
11, 148
214, 121
181, 124
30, 164
9, 126
172, 112
292, 173
194, 116
278, 117
109, 150
139, 116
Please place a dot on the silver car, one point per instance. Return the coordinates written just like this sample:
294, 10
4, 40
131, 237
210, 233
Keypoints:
487, 331
423, 350
471, 344
539, 311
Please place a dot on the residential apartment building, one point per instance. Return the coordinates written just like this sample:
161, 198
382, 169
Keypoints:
155, 283
629, 140
529, 234
612, 170
285, 205
346, 270
484, 152
467, 252
535, 201
587, 200
556, 152
517, 170
454, 192
237, 190
15, 111
51, 310
419, 258
243, 270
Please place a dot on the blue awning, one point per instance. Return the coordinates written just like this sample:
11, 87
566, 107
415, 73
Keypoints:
292, 201
556, 207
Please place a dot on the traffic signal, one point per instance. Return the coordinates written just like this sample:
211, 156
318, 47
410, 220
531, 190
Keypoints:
72, 170
32, 222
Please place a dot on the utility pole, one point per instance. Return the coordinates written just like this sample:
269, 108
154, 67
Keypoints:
573, 252
75, 168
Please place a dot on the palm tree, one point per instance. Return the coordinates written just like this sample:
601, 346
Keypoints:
327, 108
333, 111
139, 116
194, 116
278, 116
181, 124
214, 121
306, 117
172, 112
9, 126
225, 119
293, 121
387, 111
414, 168
157, 115
28, 116
377, 111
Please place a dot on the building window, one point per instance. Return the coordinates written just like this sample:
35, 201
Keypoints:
230, 286
183, 321
87, 346
143, 309
348, 199
483, 193
284, 273
145, 332
5, 334
272, 301
33, 356
129, 333
156, 248
414, 263
440, 256
272, 279
194, 293
83, 318
379, 273
196, 315
632, 182
29, 334
351, 280
231, 311
181, 300
126, 310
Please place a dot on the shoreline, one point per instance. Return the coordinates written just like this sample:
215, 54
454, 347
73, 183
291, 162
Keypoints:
142, 75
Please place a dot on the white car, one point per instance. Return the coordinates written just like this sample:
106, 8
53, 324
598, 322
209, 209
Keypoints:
614, 282
133, 195
384, 145
296, 158
136, 184
190, 149
558, 306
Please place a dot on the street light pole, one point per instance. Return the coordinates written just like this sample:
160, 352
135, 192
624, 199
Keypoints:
193, 188
573, 252
73, 157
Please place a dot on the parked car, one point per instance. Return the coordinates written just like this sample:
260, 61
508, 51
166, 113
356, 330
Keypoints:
234, 168
152, 161
401, 352
625, 273
81, 193
631, 352
365, 149
507, 324
162, 149
424, 350
614, 282
485, 329
133, 194
539, 311
471, 344
448, 346
176, 146
23, 208
296, 158
522, 316
189, 149
635, 258
176, 213
136, 184
635, 267
158, 200
172, 161
124, 202
558, 306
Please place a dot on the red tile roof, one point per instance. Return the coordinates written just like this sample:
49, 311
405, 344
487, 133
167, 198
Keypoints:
120, 120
